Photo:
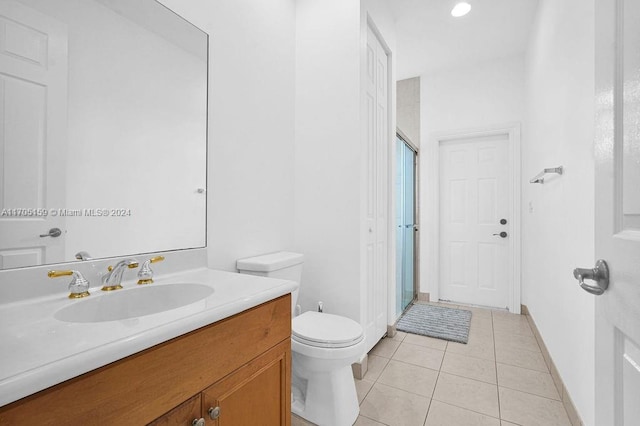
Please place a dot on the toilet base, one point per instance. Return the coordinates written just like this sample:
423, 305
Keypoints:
326, 398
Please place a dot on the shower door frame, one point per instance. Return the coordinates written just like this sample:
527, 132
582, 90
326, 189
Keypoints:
416, 216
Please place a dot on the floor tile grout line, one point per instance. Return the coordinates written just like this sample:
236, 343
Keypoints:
413, 365
547, 370
426, 415
529, 393
524, 368
529, 350
470, 378
474, 357
365, 395
496, 366
433, 393
374, 420
425, 347
512, 422
467, 409
404, 390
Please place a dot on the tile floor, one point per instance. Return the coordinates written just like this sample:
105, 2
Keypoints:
498, 379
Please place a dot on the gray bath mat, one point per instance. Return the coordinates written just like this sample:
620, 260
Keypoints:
436, 321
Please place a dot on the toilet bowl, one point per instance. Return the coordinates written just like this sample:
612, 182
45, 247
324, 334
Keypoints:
323, 347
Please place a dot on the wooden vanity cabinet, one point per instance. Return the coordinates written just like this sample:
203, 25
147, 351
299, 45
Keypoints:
182, 415
256, 394
241, 364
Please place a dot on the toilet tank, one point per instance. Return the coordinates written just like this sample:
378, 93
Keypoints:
283, 265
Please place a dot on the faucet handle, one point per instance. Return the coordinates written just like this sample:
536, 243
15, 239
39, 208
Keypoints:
145, 274
132, 265
79, 285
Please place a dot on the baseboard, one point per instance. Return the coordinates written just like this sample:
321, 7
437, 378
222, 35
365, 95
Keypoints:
360, 368
391, 330
424, 297
574, 417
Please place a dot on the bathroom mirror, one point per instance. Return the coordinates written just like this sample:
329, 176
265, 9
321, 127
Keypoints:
104, 130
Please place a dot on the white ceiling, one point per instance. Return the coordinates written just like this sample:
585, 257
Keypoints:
429, 38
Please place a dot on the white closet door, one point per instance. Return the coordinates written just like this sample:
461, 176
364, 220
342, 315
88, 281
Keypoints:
377, 209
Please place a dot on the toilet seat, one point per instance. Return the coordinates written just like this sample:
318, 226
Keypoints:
322, 330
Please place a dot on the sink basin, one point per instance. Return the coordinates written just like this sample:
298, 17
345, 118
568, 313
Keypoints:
133, 303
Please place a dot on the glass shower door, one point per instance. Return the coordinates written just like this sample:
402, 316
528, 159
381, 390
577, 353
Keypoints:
405, 225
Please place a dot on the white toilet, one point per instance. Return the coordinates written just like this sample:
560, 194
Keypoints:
323, 348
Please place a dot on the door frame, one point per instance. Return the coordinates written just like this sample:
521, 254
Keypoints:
432, 210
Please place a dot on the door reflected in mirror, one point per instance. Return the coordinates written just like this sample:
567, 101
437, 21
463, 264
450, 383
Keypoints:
104, 130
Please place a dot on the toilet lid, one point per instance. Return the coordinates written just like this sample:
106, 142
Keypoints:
325, 330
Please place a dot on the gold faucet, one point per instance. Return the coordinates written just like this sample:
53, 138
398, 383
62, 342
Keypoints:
112, 280
78, 287
145, 274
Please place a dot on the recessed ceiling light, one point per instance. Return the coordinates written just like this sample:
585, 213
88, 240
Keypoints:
460, 9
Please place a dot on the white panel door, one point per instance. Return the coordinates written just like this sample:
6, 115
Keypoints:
617, 220
377, 139
33, 116
474, 198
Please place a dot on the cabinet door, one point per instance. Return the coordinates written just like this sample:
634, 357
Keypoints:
183, 415
257, 394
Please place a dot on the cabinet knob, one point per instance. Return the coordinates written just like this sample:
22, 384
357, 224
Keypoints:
214, 412
198, 422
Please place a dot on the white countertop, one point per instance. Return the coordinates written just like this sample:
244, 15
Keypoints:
38, 351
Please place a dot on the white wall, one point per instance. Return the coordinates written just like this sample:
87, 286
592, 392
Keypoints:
475, 97
408, 108
330, 48
327, 153
558, 230
251, 133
